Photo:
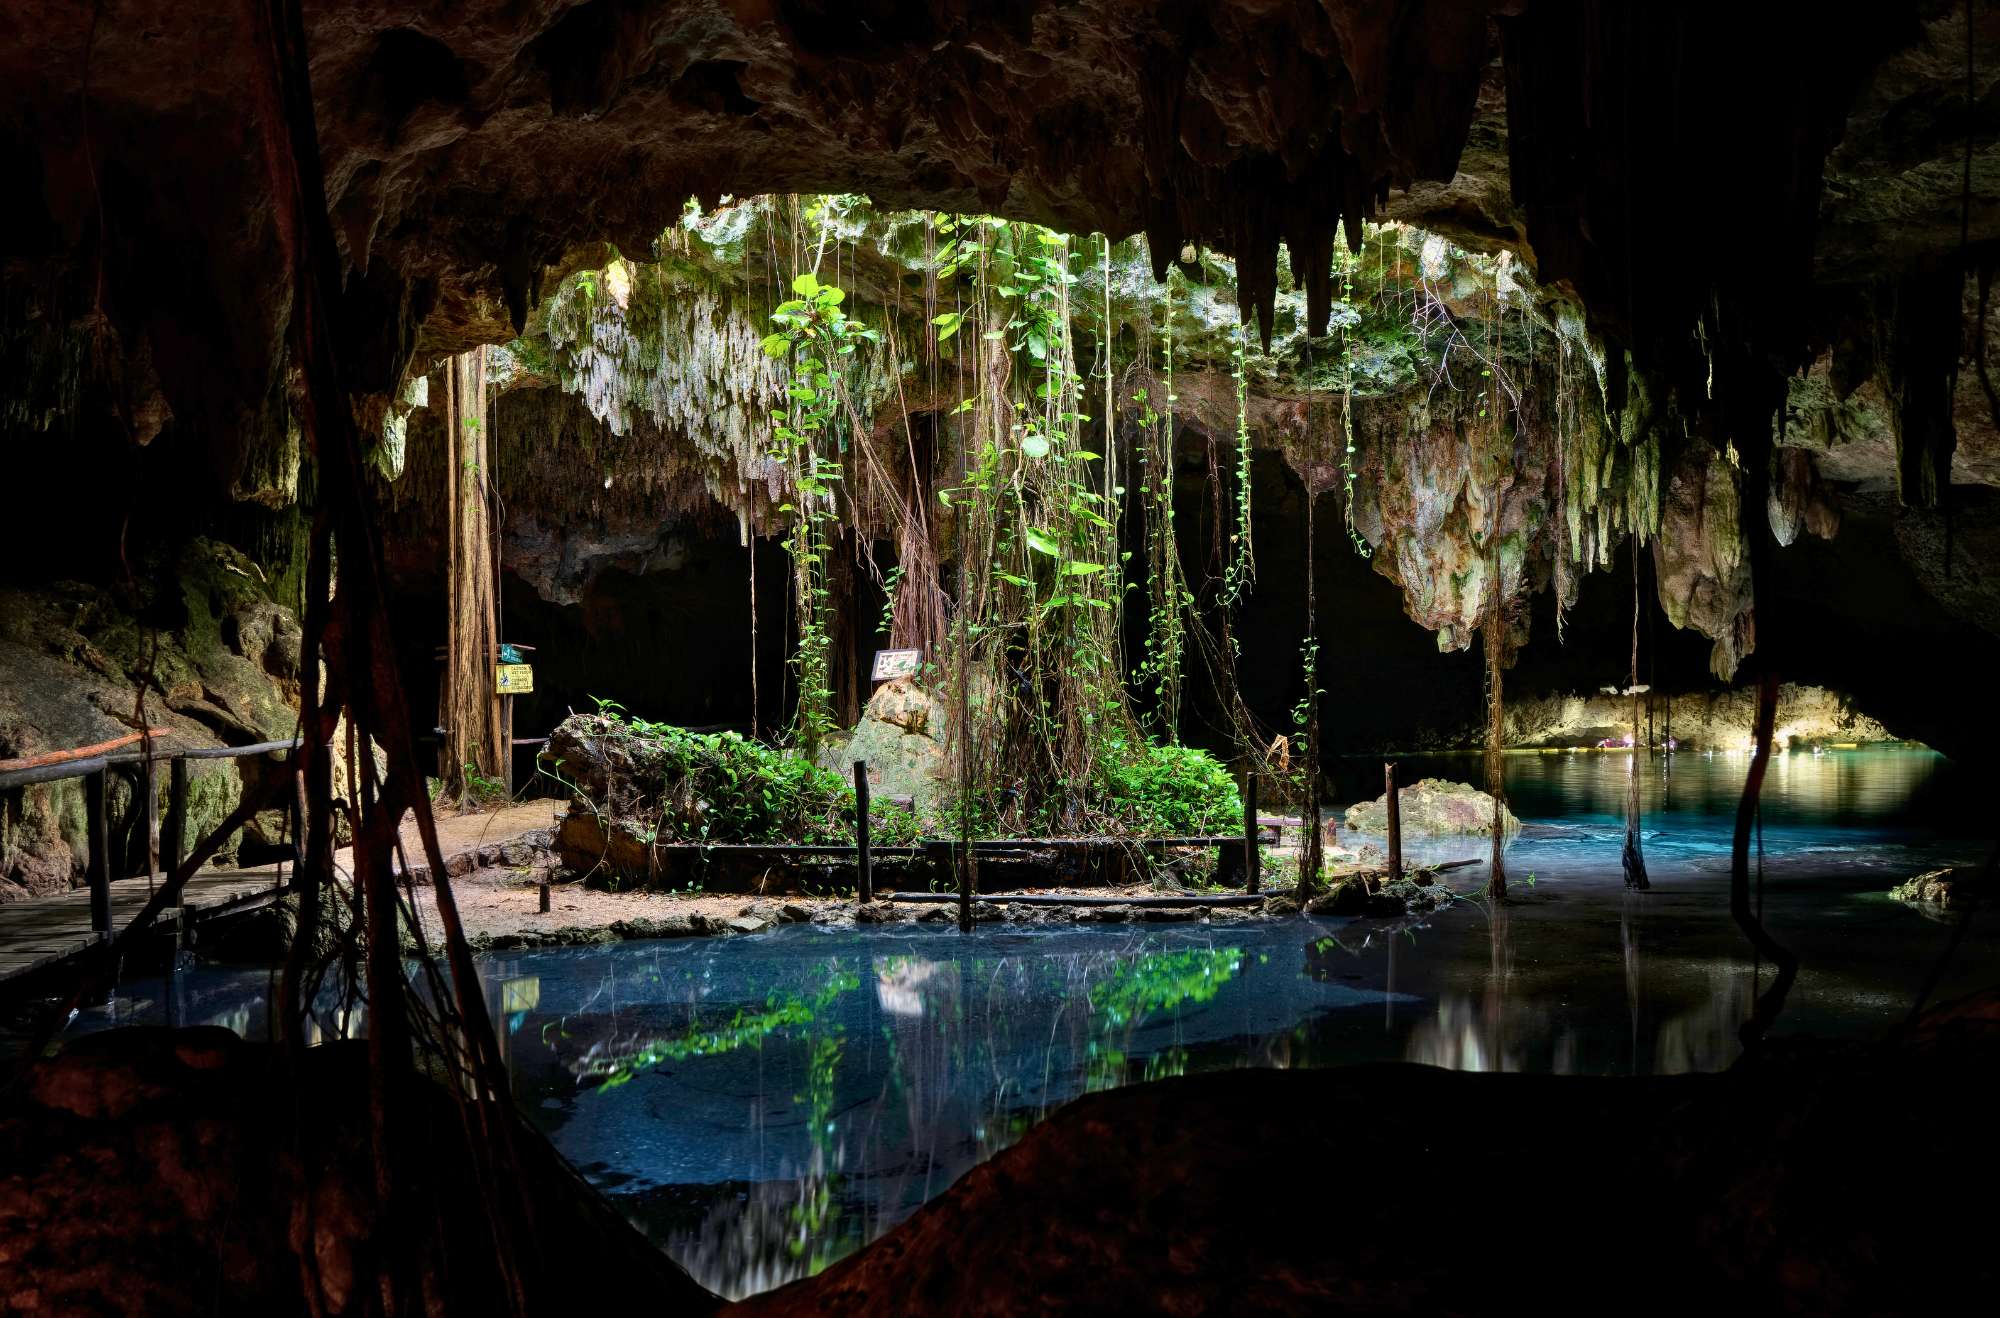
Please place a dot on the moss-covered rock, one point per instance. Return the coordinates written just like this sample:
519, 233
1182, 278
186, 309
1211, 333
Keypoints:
1943, 889
219, 661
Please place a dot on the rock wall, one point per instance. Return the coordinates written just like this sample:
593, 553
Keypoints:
219, 664
1713, 720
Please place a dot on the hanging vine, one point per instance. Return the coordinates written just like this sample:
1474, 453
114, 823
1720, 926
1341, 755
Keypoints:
814, 334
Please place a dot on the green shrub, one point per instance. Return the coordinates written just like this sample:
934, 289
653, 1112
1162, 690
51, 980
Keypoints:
710, 787
1172, 790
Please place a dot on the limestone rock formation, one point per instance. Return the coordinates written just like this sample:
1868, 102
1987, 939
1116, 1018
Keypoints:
1433, 806
901, 737
1718, 720
217, 659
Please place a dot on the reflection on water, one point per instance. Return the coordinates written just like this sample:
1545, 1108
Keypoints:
766, 1107
1517, 1026
763, 1106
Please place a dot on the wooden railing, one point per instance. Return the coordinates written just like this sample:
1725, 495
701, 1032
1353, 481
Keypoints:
168, 844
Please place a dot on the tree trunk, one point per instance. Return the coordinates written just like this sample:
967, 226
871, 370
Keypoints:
471, 709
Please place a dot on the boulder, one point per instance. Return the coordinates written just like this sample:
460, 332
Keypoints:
1433, 806
901, 736
1951, 888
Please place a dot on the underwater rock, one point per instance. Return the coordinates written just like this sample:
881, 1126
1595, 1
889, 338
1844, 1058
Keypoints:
1433, 806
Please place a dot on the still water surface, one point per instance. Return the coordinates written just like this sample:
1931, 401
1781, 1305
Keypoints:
764, 1106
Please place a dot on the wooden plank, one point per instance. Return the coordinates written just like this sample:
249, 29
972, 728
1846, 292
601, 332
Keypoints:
44, 931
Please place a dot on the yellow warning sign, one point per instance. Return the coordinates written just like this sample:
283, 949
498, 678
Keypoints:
514, 679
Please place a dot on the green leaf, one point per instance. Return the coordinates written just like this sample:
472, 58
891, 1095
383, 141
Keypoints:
806, 285
1041, 543
1082, 569
1035, 446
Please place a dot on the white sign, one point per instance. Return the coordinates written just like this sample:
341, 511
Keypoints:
892, 664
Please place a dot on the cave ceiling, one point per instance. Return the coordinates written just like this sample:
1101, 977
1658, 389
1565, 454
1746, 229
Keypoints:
1725, 188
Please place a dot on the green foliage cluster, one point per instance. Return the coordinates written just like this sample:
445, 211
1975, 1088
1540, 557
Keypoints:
814, 333
1171, 789
723, 787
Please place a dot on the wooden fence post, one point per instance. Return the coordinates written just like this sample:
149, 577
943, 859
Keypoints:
1252, 854
149, 789
173, 844
962, 853
95, 788
863, 862
1395, 821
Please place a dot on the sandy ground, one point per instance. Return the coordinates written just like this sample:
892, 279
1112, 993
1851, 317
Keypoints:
501, 902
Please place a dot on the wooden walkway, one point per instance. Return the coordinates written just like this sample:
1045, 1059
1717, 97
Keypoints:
46, 930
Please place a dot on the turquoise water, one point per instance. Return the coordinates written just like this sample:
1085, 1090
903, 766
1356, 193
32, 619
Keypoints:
763, 1106
766, 1106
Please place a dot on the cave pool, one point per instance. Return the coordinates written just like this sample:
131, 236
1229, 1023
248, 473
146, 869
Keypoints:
763, 1106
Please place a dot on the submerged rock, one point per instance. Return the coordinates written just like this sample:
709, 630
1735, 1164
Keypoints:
1433, 806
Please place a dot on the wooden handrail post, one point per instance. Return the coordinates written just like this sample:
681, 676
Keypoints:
95, 788
1252, 856
149, 788
864, 868
174, 843
962, 853
296, 806
1394, 805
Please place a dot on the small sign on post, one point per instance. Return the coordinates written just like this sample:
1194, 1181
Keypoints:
514, 679
892, 664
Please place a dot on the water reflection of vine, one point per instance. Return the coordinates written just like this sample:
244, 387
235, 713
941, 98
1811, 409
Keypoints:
969, 1070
